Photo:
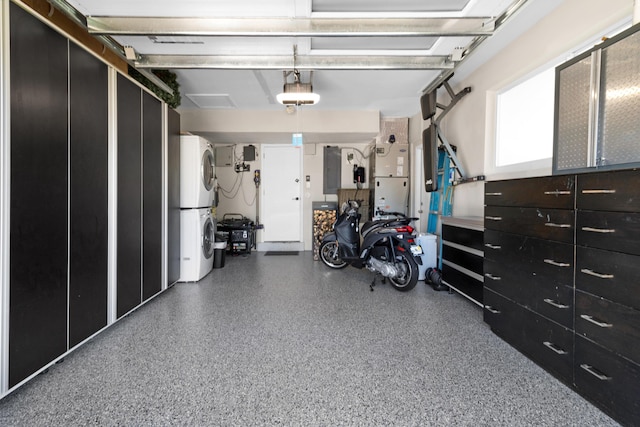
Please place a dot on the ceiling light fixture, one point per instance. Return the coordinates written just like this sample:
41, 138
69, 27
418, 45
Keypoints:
297, 93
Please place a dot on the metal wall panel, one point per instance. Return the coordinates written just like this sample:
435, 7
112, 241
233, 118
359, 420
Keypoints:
572, 126
620, 127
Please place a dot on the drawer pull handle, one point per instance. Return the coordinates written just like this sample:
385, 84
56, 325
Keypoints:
492, 277
493, 218
599, 230
598, 275
598, 191
595, 373
490, 246
493, 194
556, 263
595, 322
551, 224
553, 347
557, 193
554, 303
491, 309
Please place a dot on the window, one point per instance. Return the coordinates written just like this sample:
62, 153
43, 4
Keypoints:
524, 117
524, 130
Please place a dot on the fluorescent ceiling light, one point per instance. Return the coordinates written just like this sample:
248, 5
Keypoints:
298, 98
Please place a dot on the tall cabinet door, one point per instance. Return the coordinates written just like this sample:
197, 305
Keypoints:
39, 213
151, 196
129, 215
173, 197
88, 102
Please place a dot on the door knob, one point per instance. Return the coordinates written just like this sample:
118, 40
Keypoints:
297, 180
296, 198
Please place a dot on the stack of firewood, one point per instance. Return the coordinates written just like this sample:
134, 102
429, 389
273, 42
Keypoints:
322, 223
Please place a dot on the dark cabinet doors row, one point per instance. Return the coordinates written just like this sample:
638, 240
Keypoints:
59, 195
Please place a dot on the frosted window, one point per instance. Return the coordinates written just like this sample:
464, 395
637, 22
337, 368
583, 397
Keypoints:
524, 130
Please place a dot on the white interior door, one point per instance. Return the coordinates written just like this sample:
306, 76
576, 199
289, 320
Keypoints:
281, 196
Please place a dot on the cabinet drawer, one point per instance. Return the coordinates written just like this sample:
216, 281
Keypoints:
609, 191
463, 236
551, 224
611, 275
616, 231
608, 380
546, 343
544, 192
611, 325
552, 259
539, 294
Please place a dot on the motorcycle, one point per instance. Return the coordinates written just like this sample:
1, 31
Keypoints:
388, 248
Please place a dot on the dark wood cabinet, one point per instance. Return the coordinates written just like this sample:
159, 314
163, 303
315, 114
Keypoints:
70, 171
88, 243
608, 380
129, 235
151, 196
550, 224
578, 292
611, 275
551, 192
39, 195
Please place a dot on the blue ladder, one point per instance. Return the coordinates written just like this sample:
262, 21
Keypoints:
441, 201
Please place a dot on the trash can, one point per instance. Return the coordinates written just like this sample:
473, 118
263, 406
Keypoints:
429, 256
219, 254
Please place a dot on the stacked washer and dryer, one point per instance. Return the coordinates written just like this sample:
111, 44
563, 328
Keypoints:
197, 226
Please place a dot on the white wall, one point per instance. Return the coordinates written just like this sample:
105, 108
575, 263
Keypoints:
470, 124
241, 191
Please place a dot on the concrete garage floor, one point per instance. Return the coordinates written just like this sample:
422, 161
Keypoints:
284, 340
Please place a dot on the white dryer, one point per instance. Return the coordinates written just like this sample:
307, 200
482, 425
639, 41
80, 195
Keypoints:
197, 172
197, 236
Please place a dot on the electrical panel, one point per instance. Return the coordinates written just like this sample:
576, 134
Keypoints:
224, 156
249, 153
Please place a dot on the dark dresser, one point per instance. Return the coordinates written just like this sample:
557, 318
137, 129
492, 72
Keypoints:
562, 280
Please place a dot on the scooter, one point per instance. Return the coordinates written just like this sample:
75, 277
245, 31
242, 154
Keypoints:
389, 251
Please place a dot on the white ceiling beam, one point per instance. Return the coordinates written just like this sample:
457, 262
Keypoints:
291, 27
310, 62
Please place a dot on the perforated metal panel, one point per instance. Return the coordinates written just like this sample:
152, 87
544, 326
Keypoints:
573, 116
620, 126
399, 128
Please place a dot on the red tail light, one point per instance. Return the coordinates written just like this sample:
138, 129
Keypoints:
405, 229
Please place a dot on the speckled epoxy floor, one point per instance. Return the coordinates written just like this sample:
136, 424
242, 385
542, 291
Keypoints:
284, 340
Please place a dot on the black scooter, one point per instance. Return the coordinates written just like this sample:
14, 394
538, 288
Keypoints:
388, 250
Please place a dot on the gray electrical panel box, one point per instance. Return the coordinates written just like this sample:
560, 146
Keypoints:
224, 156
332, 170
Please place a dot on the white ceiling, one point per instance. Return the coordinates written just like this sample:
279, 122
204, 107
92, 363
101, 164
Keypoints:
395, 93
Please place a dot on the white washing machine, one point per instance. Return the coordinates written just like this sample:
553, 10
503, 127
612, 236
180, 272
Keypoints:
197, 172
197, 236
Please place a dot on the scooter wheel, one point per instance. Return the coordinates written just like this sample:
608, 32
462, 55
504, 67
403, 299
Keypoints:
410, 277
330, 256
